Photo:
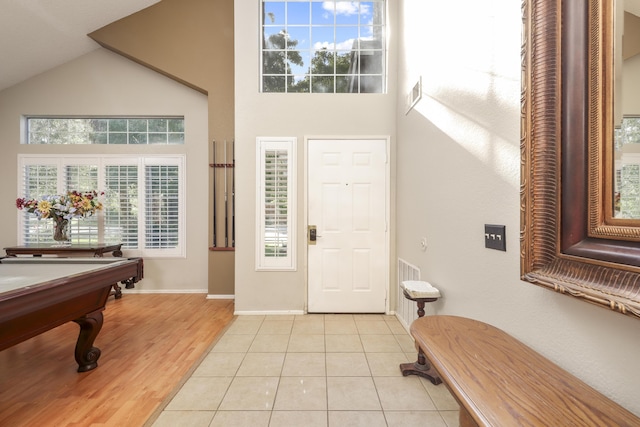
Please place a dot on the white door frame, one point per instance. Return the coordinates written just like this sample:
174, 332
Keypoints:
387, 202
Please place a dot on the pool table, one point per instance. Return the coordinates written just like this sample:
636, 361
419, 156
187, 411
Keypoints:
39, 294
40, 249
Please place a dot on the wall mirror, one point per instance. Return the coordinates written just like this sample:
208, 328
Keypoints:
573, 240
625, 202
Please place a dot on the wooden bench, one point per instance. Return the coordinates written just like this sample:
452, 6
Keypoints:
499, 381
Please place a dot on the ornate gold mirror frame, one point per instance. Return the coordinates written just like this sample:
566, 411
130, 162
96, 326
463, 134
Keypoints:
567, 242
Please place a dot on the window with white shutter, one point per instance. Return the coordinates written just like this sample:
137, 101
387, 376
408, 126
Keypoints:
121, 204
142, 200
276, 208
38, 178
82, 178
162, 206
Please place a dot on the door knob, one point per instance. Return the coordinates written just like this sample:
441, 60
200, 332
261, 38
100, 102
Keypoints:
312, 234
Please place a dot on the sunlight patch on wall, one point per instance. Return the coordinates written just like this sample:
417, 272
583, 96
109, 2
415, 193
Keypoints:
497, 150
470, 81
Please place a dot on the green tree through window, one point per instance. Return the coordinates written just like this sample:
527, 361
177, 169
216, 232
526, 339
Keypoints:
279, 62
323, 46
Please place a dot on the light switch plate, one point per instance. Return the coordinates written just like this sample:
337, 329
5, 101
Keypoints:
494, 237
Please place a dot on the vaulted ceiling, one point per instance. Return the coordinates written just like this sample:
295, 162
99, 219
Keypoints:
37, 35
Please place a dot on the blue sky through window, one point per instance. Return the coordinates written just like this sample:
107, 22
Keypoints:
305, 31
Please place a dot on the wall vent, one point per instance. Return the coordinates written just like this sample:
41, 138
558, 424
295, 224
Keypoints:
406, 310
414, 95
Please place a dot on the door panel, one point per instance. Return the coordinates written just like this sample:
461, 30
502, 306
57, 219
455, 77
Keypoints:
347, 203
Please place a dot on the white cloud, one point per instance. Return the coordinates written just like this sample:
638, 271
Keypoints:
345, 7
345, 45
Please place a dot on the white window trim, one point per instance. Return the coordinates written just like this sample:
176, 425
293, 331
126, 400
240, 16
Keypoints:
101, 161
26, 136
383, 51
288, 263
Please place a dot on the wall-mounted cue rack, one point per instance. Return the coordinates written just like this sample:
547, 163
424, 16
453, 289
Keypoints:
224, 187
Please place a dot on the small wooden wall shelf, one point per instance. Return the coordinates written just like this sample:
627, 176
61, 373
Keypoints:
221, 248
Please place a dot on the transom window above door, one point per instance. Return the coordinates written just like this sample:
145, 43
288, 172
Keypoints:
312, 46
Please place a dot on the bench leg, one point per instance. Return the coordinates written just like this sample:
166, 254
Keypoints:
421, 368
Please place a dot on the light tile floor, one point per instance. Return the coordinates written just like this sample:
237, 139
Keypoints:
310, 370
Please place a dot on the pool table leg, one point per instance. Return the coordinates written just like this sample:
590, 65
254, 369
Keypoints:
117, 291
86, 354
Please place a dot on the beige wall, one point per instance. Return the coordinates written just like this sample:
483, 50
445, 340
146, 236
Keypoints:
191, 41
102, 83
459, 152
295, 115
631, 86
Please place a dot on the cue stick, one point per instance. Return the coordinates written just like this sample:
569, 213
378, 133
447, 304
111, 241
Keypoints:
233, 193
226, 203
215, 238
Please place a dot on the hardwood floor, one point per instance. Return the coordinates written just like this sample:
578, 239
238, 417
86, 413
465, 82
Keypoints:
148, 343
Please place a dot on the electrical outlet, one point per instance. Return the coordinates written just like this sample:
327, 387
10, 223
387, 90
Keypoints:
423, 244
494, 237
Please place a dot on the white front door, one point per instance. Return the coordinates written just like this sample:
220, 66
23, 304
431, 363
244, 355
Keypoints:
347, 203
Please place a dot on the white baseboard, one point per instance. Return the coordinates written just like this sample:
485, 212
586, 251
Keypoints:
267, 313
209, 296
164, 291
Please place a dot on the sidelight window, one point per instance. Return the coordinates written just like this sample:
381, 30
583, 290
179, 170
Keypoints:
275, 246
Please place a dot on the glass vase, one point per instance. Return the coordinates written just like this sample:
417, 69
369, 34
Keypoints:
61, 231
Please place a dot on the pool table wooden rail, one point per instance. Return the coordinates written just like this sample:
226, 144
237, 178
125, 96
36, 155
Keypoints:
31, 310
40, 249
